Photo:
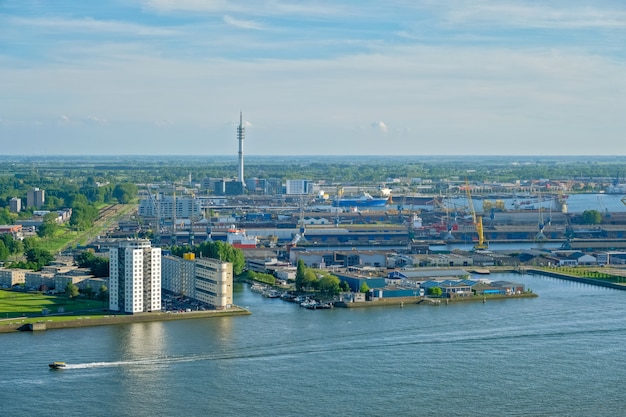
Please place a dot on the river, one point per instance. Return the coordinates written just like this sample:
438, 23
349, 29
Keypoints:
560, 354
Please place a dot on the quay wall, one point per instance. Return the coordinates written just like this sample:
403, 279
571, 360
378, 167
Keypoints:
87, 321
566, 277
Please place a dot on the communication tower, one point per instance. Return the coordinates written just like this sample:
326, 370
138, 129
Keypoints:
241, 135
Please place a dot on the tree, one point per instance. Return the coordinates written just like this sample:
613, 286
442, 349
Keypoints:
89, 292
49, 225
71, 290
4, 251
83, 216
100, 267
592, 217
364, 288
39, 256
216, 250
103, 293
435, 291
125, 192
6, 217
310, 279
85, 259
329, 285
345, 287
301, 268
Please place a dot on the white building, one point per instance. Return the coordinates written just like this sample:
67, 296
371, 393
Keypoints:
135, 277
214, 282
206, 280
186, 207
178, 275
298, 187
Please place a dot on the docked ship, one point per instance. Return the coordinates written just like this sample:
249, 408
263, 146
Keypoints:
239, 239
366, 200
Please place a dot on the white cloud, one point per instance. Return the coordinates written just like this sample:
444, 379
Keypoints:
97, 120
257, 7
244, 24
536, 15
379, 126
64, 120
93, 26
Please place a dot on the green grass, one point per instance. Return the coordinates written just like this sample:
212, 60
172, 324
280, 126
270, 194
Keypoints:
19, 304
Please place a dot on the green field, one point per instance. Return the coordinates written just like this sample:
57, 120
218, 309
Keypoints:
20, 304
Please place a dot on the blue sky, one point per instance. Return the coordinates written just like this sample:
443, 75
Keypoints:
330, 77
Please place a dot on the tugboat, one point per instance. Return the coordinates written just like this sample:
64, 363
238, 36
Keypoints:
57, 365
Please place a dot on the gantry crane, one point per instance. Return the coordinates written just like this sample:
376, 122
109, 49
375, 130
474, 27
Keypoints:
477, 221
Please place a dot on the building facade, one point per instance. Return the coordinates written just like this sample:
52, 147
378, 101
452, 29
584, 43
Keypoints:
35, 198
15, 205
186, 207
178, 275
135, 277
298, 187
214, 282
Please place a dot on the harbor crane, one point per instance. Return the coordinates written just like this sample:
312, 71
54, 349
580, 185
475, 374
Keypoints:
477, 220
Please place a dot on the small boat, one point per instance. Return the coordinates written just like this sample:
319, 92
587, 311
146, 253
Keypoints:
57, 365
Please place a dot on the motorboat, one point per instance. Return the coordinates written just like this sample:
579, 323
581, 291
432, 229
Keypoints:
57, 365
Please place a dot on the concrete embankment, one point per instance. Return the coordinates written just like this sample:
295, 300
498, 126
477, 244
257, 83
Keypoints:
41, 323
431, 301
566, 277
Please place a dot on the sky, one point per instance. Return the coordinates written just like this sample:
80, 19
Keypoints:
327, 77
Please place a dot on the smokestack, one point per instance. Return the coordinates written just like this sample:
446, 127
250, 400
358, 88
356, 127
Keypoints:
241, 135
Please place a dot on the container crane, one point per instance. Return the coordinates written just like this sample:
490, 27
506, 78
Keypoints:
476, 220
157, 211
540, 235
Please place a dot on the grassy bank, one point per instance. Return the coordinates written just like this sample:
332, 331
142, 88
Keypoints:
19, 308
19, 304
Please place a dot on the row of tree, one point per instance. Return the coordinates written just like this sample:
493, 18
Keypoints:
215, 250
322, 281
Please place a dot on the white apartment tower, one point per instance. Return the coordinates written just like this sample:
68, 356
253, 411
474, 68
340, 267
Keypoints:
135, 277
214, 282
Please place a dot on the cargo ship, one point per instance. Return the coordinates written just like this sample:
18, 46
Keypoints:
366, 200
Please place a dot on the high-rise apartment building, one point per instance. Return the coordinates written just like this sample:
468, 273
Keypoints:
15, 205
178, 275
35, 198
135, 277
214, 282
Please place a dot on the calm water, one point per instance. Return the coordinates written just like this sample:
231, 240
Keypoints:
561, 354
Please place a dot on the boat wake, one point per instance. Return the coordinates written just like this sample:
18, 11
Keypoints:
137, 362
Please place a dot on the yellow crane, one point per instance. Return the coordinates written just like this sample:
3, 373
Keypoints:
477, 220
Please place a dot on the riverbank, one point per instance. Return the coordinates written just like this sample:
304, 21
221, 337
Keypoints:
402, 301
42, 323
574, 278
